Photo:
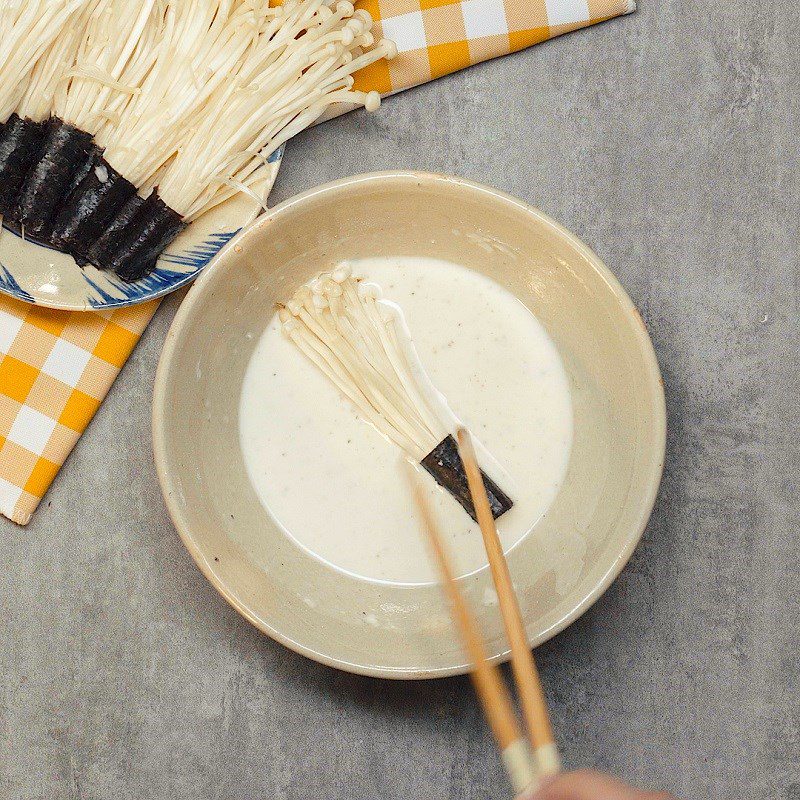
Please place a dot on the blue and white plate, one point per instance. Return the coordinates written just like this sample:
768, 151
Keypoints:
37, 274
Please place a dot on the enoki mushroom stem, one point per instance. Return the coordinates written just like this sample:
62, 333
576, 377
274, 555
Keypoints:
352, 335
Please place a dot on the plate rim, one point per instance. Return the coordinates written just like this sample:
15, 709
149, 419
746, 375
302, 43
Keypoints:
646, 501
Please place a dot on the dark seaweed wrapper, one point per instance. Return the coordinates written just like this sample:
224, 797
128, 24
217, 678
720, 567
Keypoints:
101, 253
90, 207
445, 465
66, 156
136, 239
20, 145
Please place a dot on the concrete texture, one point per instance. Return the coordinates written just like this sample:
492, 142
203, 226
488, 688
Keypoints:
668, 142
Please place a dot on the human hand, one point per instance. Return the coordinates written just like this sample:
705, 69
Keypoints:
589, 785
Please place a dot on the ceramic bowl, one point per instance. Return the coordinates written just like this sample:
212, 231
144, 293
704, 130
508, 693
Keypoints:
388, 630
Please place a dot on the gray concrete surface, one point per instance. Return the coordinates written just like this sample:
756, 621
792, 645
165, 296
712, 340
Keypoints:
668, 141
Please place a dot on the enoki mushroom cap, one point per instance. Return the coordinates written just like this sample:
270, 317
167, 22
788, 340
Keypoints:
369, 290
356, 25
342, 272
365, 17
389, 48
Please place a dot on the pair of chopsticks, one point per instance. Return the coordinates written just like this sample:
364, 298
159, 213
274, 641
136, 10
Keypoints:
530, 758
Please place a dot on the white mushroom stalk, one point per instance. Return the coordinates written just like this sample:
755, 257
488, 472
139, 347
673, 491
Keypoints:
56, 60
296, 68
203, 44
360, 343
28, 28
116, 51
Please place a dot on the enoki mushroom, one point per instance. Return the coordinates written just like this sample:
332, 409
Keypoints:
360, 342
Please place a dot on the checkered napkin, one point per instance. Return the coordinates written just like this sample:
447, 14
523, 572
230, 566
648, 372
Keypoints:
55, 370
56, 366
437, 37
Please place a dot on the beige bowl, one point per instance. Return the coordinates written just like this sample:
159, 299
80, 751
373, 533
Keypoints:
389, 630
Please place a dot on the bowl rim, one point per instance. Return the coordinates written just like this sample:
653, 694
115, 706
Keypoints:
385, 177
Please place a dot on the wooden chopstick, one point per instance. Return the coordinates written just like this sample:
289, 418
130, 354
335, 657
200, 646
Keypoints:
489, 686
526, 676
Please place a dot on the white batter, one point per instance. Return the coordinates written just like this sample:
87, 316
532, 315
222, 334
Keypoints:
337, 487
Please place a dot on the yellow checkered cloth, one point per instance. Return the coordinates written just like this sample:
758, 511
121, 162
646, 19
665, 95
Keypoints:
437, 37
57, 366
55, 369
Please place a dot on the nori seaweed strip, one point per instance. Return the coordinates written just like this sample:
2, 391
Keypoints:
90, 207
132, 249
20, 144
66, 156
445, 465
102, 251
95, 156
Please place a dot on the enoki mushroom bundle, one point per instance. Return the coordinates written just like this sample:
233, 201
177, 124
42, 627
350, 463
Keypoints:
362, 344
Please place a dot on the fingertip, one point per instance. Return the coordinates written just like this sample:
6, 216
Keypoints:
586, 784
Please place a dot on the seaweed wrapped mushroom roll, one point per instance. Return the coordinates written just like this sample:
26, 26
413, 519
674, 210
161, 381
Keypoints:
36, 50
292, 73
20, 144
133, 242
362, 344
155, 122
114, 49
65, 156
